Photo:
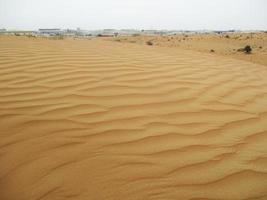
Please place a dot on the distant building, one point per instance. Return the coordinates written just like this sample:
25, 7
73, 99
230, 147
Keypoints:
2, 30
70, 32
52, 31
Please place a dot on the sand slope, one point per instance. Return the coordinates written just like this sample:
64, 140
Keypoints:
226, 44
103, 120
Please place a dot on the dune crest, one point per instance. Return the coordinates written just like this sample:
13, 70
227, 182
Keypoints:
95, 119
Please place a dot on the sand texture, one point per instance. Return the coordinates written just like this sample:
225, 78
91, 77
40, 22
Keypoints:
103, 120
226, 44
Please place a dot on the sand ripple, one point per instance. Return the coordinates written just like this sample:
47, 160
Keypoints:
103, 120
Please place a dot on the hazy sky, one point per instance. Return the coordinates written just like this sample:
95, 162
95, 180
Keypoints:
140, 14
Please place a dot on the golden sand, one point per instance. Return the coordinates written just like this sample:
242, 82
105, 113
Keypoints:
100, 120
226, 44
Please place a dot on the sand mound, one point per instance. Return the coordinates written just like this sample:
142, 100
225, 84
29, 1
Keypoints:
226, 44
104, 120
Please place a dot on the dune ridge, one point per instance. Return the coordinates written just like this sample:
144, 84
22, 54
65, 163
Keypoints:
96, 119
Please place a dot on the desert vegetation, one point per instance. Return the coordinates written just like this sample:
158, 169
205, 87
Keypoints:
247, 49
230, 44
150, 43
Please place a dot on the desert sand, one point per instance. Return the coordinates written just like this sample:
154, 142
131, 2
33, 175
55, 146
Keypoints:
99, 120
225, 44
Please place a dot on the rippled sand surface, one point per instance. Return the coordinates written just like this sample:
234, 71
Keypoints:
100, 120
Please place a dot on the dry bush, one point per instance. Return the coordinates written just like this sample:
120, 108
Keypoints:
247, 49
150, 43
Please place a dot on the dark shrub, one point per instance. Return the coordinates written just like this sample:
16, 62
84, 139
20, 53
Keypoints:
149, 43
212, 51
247, 49
227, 36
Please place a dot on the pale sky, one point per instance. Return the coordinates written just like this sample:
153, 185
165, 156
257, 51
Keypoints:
138, 14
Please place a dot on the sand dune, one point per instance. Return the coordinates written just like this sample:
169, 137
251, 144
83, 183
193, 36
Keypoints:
225, 44
94, 119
